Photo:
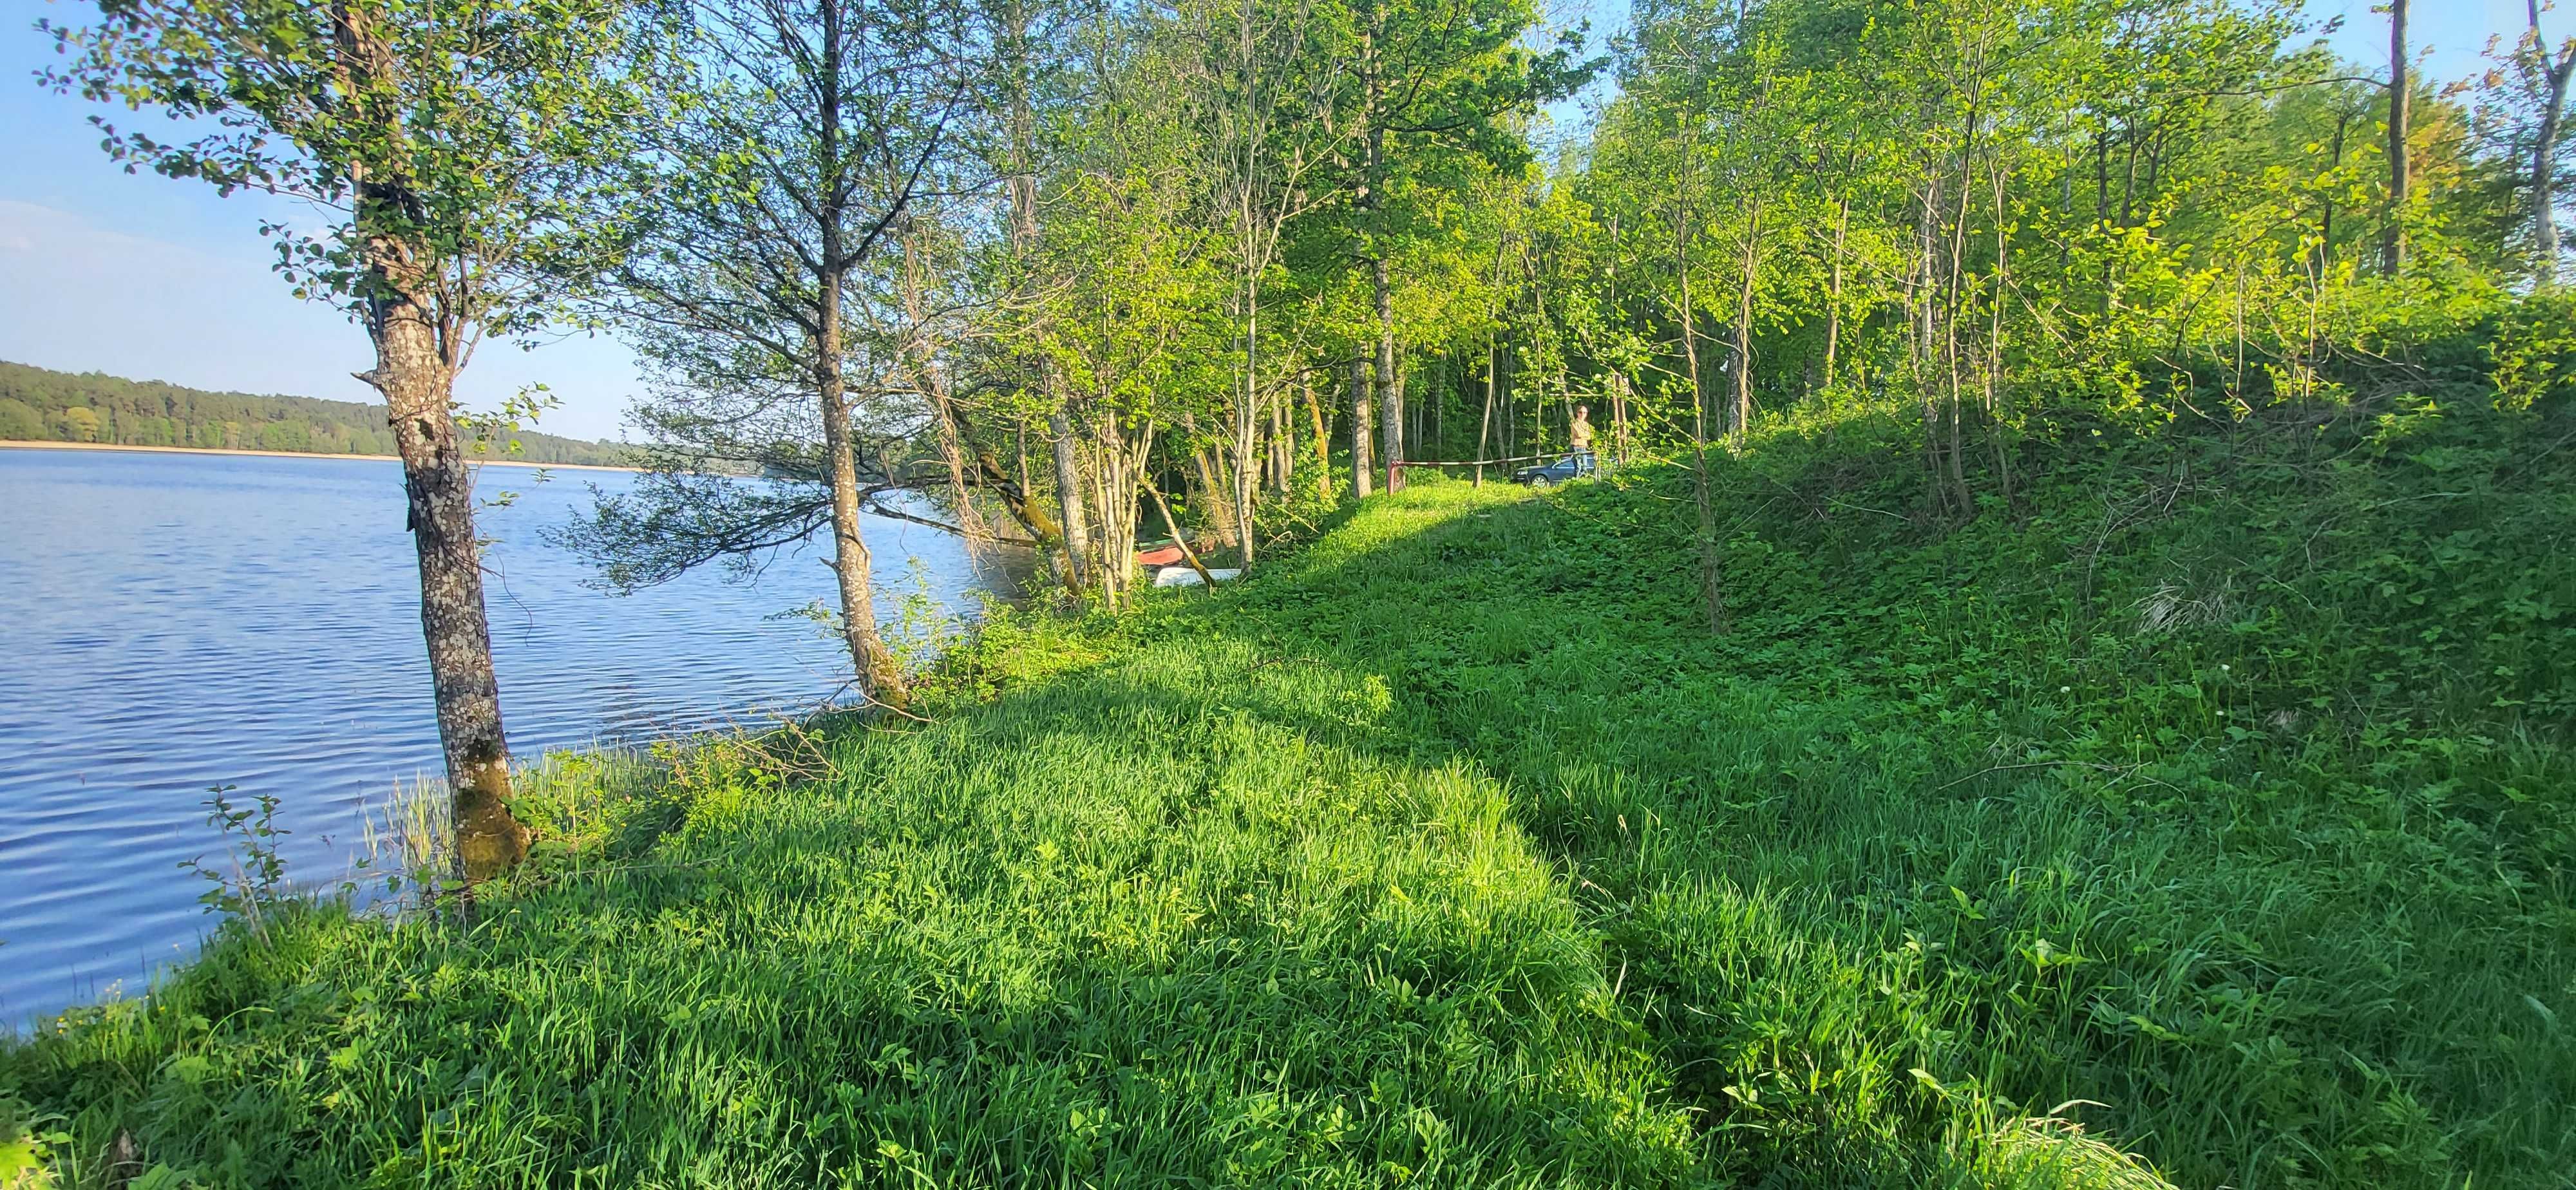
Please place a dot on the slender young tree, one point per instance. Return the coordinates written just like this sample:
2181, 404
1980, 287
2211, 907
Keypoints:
1436, 80
1128, 305
453, 143
2392, 247
783, 175
1712, 589
1267, 96
1019, 58
1363, 471
2550, 72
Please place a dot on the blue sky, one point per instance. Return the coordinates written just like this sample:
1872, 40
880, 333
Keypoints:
155, 278
152, 278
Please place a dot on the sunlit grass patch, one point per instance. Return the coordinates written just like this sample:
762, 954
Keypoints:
1118, 927
1450, 850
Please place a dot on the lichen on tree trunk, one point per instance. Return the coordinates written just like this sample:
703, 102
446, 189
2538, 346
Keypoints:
417, 355
415, 379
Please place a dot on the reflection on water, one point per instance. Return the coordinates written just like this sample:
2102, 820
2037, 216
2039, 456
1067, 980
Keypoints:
174, 622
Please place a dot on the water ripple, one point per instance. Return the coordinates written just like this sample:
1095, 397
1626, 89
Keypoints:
171, 622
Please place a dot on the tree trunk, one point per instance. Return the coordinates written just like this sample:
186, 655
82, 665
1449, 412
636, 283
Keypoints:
1283, 444
921, 358
1712, 594
2544, 151
1995, 428
1390, 383
2129, 182
1834, 291
1247, 458
1431, 436
880, 678
1068, 496
1212, 485
1954, 290
1116, 565
440, 489
2392, 249
1742, 419
1323, 442
2325, 217
1619, 386
1485, 428
416, 372
1114, 483
1921, 342
1360, 463
1024, 231
2102, 210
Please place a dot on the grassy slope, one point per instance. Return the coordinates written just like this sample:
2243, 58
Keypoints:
1931, 808
1449, 851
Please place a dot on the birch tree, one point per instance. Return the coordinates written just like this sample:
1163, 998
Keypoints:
2547, 73
1434, 79
779, 177
453, 146
1268, 91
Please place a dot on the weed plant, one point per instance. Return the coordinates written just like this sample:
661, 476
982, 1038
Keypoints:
2200, 810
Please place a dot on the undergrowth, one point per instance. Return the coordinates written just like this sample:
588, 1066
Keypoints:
2213, 790
2197, 811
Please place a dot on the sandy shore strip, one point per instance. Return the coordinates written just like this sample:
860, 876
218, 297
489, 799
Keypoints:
13, 444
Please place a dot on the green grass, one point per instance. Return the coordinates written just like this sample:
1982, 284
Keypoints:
2205, 808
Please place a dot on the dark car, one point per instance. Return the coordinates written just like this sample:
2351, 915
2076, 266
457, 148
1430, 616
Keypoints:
1551, 474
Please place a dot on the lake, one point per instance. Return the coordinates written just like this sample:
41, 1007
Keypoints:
170, 622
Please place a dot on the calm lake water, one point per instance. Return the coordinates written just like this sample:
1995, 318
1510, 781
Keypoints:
173, 622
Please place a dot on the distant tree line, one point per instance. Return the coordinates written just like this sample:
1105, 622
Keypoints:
37, 405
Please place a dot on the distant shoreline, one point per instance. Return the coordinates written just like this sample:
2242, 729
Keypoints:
15, 444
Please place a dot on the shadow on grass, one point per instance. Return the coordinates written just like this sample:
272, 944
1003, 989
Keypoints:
1108, 930
1858, 922
1445, 851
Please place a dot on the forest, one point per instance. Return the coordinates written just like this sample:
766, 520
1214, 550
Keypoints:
2060, 671
37, 405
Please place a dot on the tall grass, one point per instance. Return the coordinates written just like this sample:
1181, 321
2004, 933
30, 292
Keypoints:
592, 804
1448, 851
2232, 832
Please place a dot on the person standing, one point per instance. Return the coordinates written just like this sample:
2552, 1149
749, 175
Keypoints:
1579, 436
